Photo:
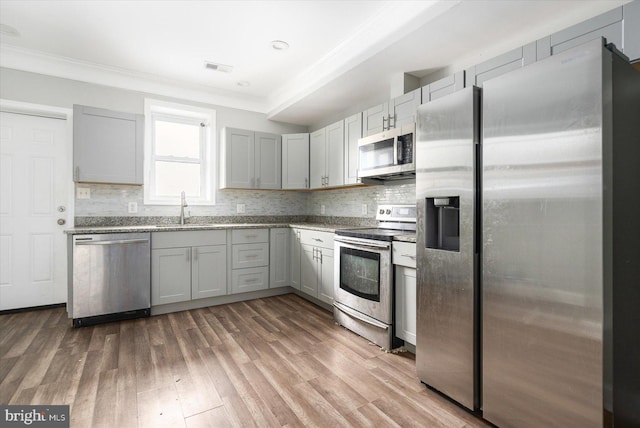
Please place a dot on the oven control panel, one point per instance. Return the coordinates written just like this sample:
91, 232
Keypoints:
404, 213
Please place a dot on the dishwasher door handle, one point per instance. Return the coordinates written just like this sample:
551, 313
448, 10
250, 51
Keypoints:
116, 242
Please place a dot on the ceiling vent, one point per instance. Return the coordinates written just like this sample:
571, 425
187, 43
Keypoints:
218, 67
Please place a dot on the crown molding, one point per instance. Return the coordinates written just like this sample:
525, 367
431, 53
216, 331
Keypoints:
69, 68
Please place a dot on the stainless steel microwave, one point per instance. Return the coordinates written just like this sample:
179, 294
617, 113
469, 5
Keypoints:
388, 155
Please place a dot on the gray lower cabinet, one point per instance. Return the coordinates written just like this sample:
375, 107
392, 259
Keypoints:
187, 265
404, 261
108, 146
250, 260
279, 257
316, 264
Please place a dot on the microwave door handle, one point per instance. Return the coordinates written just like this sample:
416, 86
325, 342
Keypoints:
397, 158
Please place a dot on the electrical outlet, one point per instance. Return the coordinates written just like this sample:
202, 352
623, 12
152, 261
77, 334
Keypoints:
241, 208
132, 207
83, 193
364, 209
322, 209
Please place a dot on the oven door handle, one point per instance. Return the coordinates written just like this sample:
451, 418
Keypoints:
355, 314
362, 243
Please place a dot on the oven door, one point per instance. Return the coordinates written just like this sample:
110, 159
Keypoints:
364, 278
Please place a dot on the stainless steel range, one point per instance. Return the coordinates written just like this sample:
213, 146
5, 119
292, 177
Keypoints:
364, 289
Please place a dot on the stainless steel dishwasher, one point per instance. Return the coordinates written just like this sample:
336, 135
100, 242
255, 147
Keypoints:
111, 277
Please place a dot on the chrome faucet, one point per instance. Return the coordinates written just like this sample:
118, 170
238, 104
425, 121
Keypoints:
183, 203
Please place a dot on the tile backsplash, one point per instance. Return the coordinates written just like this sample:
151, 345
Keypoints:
113, 200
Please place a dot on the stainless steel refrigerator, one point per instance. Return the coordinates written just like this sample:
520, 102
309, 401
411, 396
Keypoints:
549, 333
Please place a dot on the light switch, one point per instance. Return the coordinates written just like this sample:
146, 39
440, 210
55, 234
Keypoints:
241, 208
364, 209
133, 207
322, 209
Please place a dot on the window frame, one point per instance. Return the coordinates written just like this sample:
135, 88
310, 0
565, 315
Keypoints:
186, 114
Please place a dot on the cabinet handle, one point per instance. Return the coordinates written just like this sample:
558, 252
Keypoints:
318, 240
306, 183
384, 119
195, 254
320, 256
251, 256
409, 255
314, 253
77, 173
250, 280
250, 236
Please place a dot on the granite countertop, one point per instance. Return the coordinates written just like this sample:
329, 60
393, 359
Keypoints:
188, 227
405, 238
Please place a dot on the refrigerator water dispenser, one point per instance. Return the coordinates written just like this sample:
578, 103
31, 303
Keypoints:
442, 228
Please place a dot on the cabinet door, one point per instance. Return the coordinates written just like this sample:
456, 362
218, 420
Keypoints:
443, 87
170, 275
317, 158
295, 161
631, 36
209, 271
279, 257
509, 61
239, 152
325, 280
403, 109
308, 270
268, 161
352, 133
406, 304
374, 119
108, 146
296, 251
335, 154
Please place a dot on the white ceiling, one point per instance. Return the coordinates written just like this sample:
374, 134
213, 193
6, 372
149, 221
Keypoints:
342, 53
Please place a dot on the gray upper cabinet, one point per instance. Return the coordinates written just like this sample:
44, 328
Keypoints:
631, 15
397, 112
295, 157
374, 119
317, 155
268, 161
108, 146
442, 87
250, 160
608, 25
352, 133
326, 160
501, 64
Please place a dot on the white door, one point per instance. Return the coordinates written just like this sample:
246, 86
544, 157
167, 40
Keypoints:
34, 196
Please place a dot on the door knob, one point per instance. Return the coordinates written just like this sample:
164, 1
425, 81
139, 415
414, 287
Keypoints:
61, 221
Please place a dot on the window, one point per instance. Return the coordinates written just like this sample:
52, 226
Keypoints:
179, 154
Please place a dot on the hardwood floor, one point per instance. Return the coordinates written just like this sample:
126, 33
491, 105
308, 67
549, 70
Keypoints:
279, 361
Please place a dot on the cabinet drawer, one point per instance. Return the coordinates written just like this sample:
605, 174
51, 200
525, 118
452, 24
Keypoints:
250, 255
318, 239
404, 254
249, 236
252, 279
192, 238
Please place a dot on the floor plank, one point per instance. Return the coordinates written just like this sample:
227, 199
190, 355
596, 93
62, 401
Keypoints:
274, 362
